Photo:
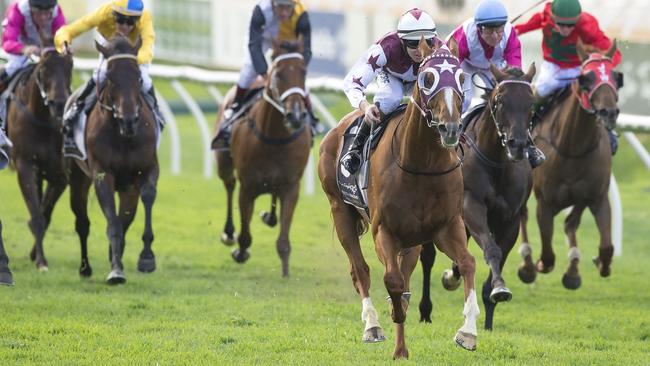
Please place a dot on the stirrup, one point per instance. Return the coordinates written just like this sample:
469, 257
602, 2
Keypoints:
70, 149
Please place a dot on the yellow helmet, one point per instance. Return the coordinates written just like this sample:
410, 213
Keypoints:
131, 8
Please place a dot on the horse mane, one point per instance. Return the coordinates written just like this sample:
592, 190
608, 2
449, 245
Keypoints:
515, 72
121, 44
288, 46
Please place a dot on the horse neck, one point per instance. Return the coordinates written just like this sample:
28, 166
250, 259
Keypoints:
420, 147
35, 102
577, 130
487, 137
270, 121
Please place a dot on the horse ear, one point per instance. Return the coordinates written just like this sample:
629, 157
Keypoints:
275, 44
424, 47
138, 43
301, 43
453, 46
612, 50
583, 54
530, 73
103, 50
498, 74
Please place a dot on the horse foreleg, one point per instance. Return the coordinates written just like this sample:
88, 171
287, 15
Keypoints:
269, 218
427, 258
571, 278
52, 194
388, 250
27, 179
105, 190
287, 206
5, 274
79, 186
147, 259
602, 212
545, 215
246, 206
527, 271
452, 241
225, 171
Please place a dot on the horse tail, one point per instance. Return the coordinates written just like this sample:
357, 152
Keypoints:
362, 225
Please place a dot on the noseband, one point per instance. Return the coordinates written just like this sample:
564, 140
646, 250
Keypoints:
291, 91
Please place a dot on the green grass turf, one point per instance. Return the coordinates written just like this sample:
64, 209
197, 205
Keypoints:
200, 307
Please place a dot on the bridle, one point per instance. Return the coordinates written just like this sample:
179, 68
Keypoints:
39, 83
278, 99
112, 108
494, 106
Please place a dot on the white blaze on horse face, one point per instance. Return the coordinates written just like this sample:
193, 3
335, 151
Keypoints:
369, 314
449, 101
471, 312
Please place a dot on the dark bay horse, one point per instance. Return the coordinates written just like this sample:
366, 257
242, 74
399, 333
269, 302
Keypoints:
497, 179
415, 196
120, 136
6, 277
270, 148
578, 166
34, 122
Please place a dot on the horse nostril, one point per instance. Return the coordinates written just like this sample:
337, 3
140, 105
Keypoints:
442, 129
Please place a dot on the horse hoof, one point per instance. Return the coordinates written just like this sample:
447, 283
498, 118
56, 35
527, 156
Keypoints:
373, 335
500, 294
228, 240
116, 277
604, 271
147, 265
449, 282
85, 271
466, 340
6, 278
43, 268
425, 319
240, 256
571, 282
527, 274
541, 268
401, 353
269, 219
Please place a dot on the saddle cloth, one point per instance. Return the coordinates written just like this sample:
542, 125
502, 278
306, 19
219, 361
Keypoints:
353, 186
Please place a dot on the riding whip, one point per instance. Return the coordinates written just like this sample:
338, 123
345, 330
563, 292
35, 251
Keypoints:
526, 11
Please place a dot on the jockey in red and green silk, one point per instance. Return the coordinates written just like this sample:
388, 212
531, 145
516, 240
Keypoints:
563, 22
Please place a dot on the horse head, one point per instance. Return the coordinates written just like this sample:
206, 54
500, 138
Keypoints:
285, 89
510, 104
598, 84
53, 75
438, 93
121, 93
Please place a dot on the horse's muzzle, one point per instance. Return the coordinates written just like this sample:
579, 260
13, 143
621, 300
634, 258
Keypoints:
517, 149
296, 117
608, 117
129, 126
449, 134
56, 109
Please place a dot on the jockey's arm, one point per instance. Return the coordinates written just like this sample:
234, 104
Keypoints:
303, 27
534, 23
255, 40
362, 74
512, 52
145, 54
591, 34
457, 43
71, 31
13, 25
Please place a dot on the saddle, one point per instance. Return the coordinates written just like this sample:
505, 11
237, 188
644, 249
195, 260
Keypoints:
250, 98
353, 186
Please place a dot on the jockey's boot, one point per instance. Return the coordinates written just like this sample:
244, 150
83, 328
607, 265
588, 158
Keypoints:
152, 101
535, 156
4, 80
5, 146
70, 148
613, 141
539, 109
236, 104
317, 128
352, 159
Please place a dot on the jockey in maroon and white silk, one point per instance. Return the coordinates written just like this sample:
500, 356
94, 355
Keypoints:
393, 62
487, 38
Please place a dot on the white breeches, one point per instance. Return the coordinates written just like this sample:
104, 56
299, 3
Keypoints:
248, 75
390, 92
551, 78
15, 63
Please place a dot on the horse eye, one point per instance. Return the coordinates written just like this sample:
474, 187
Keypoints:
428, 81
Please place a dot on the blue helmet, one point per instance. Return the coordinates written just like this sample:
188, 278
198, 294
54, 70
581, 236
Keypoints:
490, 13
128, 7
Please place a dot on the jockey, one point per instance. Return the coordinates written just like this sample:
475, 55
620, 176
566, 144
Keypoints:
20, 39
118, 17
285, 20
394, 62
488, 38
563, 23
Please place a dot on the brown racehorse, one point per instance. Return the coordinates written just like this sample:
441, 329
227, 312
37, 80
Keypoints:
498, 181
578, 166
120, 136
270, 148
34, 123
415, 195
6, 277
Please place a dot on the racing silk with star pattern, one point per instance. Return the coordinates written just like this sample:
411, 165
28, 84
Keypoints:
103, 20
476, 52
562, 50
264, 27
19, 29
387, 55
